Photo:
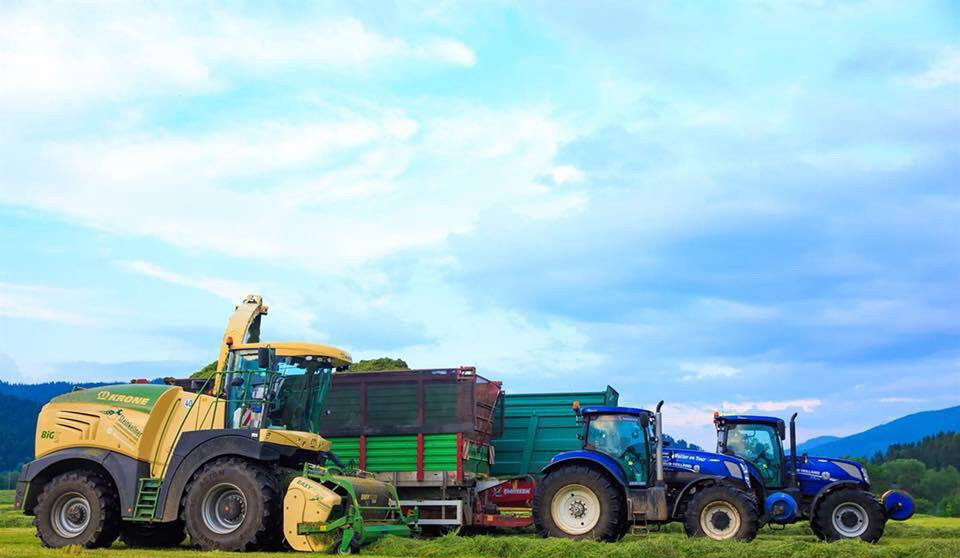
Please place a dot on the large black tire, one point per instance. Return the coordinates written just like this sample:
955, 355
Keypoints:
78, 508
235, 505
849, 514
152, 535
721, 512
593, 507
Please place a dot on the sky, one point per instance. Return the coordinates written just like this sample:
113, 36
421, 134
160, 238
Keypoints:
748, 207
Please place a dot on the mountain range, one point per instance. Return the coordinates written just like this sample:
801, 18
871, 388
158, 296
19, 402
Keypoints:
910, 428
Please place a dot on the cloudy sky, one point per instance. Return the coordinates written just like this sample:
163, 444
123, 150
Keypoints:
748, 209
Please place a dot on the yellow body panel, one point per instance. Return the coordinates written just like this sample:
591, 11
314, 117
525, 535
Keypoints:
307, 501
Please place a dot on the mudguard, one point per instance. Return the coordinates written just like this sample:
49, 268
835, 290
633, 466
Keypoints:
588, 457
124, 471
833, 486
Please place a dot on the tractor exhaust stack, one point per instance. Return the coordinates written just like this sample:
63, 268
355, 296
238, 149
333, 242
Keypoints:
793, 448
659, 434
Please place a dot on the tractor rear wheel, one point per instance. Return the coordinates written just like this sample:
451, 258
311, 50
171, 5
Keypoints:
850, 514
721, 513
233, 504
78, 508
577, 502
152, 535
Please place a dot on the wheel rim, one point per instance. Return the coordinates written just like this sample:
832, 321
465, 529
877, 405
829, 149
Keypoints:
850, 520
70, 515
575, 509
720, 520
224, 508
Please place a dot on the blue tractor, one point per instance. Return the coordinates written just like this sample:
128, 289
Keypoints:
622, 477
833, 494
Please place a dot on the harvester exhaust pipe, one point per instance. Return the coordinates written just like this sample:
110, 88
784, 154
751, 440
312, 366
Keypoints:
659, 433
793, 447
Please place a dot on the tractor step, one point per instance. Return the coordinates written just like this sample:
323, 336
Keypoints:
148, 492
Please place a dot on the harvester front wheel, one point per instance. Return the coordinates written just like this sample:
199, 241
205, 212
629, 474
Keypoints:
721, 513
152, 535
577, 502
233, 504
78, 508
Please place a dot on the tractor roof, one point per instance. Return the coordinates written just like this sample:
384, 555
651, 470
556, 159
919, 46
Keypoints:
296, 348
607, 410
750, 419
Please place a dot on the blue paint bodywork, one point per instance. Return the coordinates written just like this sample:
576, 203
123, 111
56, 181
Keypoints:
818, 472
705, 463
607, 410
601, 459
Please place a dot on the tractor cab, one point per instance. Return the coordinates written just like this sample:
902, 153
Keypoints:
623, 434
758, 441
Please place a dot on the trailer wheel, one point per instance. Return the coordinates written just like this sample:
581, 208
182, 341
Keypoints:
78, 508
721, 513
152, 535
850, 514
233, 504
578, 502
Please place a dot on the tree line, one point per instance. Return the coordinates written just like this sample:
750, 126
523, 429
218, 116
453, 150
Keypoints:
926, 469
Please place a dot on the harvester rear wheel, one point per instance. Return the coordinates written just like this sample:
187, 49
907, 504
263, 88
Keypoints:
850, 514
152, 535
721, 513
78, 508
577, 502
233, 504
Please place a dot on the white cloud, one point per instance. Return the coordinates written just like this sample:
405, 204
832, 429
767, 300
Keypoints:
566, 173
731, 309
806, 405
232, 291
900, 400
945, 70
703, 370
123, 49
41, 303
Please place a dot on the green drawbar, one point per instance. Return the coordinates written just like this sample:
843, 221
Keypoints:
147, 493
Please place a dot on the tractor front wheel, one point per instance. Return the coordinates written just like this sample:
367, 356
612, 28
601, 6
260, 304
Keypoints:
849, 514
721, 513
577, 502
233, 504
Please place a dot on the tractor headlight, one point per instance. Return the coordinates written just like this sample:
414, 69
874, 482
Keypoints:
854, 471
734, 469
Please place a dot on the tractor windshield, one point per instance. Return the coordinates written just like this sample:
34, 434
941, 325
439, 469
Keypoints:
290, 396
624, 438
760, 445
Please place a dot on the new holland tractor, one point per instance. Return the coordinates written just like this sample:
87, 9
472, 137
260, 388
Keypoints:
622, 477
832, 494
233, 460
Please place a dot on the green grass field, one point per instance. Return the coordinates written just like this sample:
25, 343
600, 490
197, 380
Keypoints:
927, 537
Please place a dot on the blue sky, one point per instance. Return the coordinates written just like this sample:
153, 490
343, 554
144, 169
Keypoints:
751, 206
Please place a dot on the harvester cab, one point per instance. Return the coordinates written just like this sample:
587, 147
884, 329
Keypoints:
622, 477
832, 493
234, 460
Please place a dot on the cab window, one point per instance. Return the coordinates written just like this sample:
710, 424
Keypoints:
624, 439
760, 445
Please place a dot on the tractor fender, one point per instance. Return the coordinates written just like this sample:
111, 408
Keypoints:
122, 470
698, 482
197, 448
833, 486
590, 459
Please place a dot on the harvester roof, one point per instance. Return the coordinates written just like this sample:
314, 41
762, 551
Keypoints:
297, 348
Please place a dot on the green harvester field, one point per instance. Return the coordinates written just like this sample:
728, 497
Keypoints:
922, 536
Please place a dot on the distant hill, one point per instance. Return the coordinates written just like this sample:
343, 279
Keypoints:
44, 392
17, 431
911, 428
815, 442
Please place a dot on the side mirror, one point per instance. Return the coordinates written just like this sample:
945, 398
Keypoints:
263, 358
803, 458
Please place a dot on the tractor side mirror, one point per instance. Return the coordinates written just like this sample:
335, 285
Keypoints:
803, 458
263, 358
